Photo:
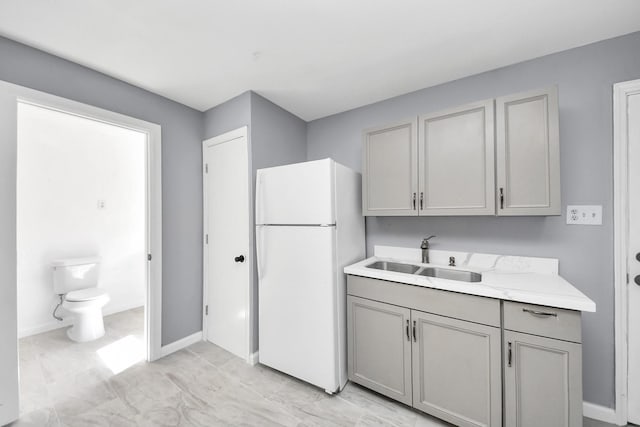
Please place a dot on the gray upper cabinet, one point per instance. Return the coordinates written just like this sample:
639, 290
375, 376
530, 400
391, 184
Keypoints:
528, 153
542, 381
379, 347
389, 170
489, 157
457, 370
456, 161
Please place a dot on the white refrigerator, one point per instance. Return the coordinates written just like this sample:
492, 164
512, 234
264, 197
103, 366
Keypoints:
309, 226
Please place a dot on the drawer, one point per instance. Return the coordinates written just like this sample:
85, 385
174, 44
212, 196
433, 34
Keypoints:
543, 321
444, 303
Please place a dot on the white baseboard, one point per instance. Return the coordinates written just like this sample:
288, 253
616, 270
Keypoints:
45, 327
56, 324
180, 344
253, 359
600, 413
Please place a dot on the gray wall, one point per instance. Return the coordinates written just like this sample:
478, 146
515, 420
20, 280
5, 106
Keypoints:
584, 77
181, 176
230, 115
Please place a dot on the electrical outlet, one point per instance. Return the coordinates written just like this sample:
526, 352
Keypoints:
584, 214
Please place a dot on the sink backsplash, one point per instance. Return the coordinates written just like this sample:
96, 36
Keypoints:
481, 262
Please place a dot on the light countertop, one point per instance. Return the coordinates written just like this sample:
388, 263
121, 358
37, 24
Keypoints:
522, 279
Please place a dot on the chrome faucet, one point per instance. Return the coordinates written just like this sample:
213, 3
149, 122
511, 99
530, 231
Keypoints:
425, 249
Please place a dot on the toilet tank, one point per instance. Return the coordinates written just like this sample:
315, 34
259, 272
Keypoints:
75, 273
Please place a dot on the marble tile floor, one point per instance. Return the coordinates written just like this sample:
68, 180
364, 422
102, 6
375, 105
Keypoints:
67, 384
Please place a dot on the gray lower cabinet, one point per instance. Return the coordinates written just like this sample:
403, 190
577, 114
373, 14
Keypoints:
469, 360
442, 366
543, 381
542, 366
457, 370
379, 347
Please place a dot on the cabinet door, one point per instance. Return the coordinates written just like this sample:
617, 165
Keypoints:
379, 347
390, 170
528, 153
457, 370
456, 167
543, 381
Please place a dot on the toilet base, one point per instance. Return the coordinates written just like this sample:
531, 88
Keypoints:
87, 326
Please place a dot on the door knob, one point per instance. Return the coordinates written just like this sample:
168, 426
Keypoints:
638, 256
239, 258
637, 280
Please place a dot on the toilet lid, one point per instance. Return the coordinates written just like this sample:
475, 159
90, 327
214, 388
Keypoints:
85, 294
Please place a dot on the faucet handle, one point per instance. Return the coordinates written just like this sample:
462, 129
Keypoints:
425, 242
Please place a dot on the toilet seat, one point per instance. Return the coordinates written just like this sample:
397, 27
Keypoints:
85, 295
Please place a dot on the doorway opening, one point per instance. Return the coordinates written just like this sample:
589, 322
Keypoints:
87, 303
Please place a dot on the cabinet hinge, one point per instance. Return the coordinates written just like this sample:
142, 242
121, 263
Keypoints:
149, 257
206, 239
627, 278
206, 168
206, 310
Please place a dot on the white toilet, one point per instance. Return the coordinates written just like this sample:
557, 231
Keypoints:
77, 280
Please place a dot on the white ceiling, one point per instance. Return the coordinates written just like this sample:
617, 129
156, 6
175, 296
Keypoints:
312, 57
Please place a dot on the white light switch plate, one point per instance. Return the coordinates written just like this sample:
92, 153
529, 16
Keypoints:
584, 214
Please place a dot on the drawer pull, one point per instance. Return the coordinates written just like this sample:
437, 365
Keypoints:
540, 313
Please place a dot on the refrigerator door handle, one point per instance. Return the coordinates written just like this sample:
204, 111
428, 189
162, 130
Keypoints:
260, 246
259, 198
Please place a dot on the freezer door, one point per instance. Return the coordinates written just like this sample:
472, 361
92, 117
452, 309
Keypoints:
297, 303
301, 193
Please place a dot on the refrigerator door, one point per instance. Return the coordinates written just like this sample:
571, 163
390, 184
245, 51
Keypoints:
297, 303
301, 193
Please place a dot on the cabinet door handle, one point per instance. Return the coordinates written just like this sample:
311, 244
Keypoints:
414, 331
501, 198
414, 201
421, 199
509, 353
408, 337
540, 313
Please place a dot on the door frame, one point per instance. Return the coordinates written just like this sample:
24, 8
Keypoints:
153, 303
621, 92
241, 132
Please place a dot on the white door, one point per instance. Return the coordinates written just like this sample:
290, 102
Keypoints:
634, 256
301, 193
227, 255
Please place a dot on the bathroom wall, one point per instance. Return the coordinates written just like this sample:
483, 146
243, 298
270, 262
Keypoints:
585, 77
182, 129
67, 166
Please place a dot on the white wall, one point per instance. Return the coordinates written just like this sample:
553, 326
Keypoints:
66, 164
